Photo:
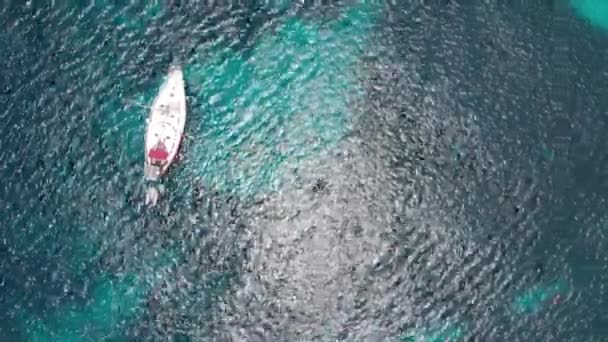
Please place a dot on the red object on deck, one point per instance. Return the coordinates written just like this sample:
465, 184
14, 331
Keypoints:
159, 152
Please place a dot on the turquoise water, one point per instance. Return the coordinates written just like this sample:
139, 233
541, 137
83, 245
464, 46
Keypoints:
283, 100
595, 11
351, 171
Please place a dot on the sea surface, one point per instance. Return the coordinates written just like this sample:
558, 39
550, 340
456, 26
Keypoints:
351, 171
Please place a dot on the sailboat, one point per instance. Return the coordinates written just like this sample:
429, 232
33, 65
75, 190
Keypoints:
164, 129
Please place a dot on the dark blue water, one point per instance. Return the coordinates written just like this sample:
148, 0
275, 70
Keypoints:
352, 171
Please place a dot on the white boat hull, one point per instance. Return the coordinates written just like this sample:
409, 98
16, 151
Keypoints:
165, 124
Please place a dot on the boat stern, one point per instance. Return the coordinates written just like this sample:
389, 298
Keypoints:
152, 172
176, 70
